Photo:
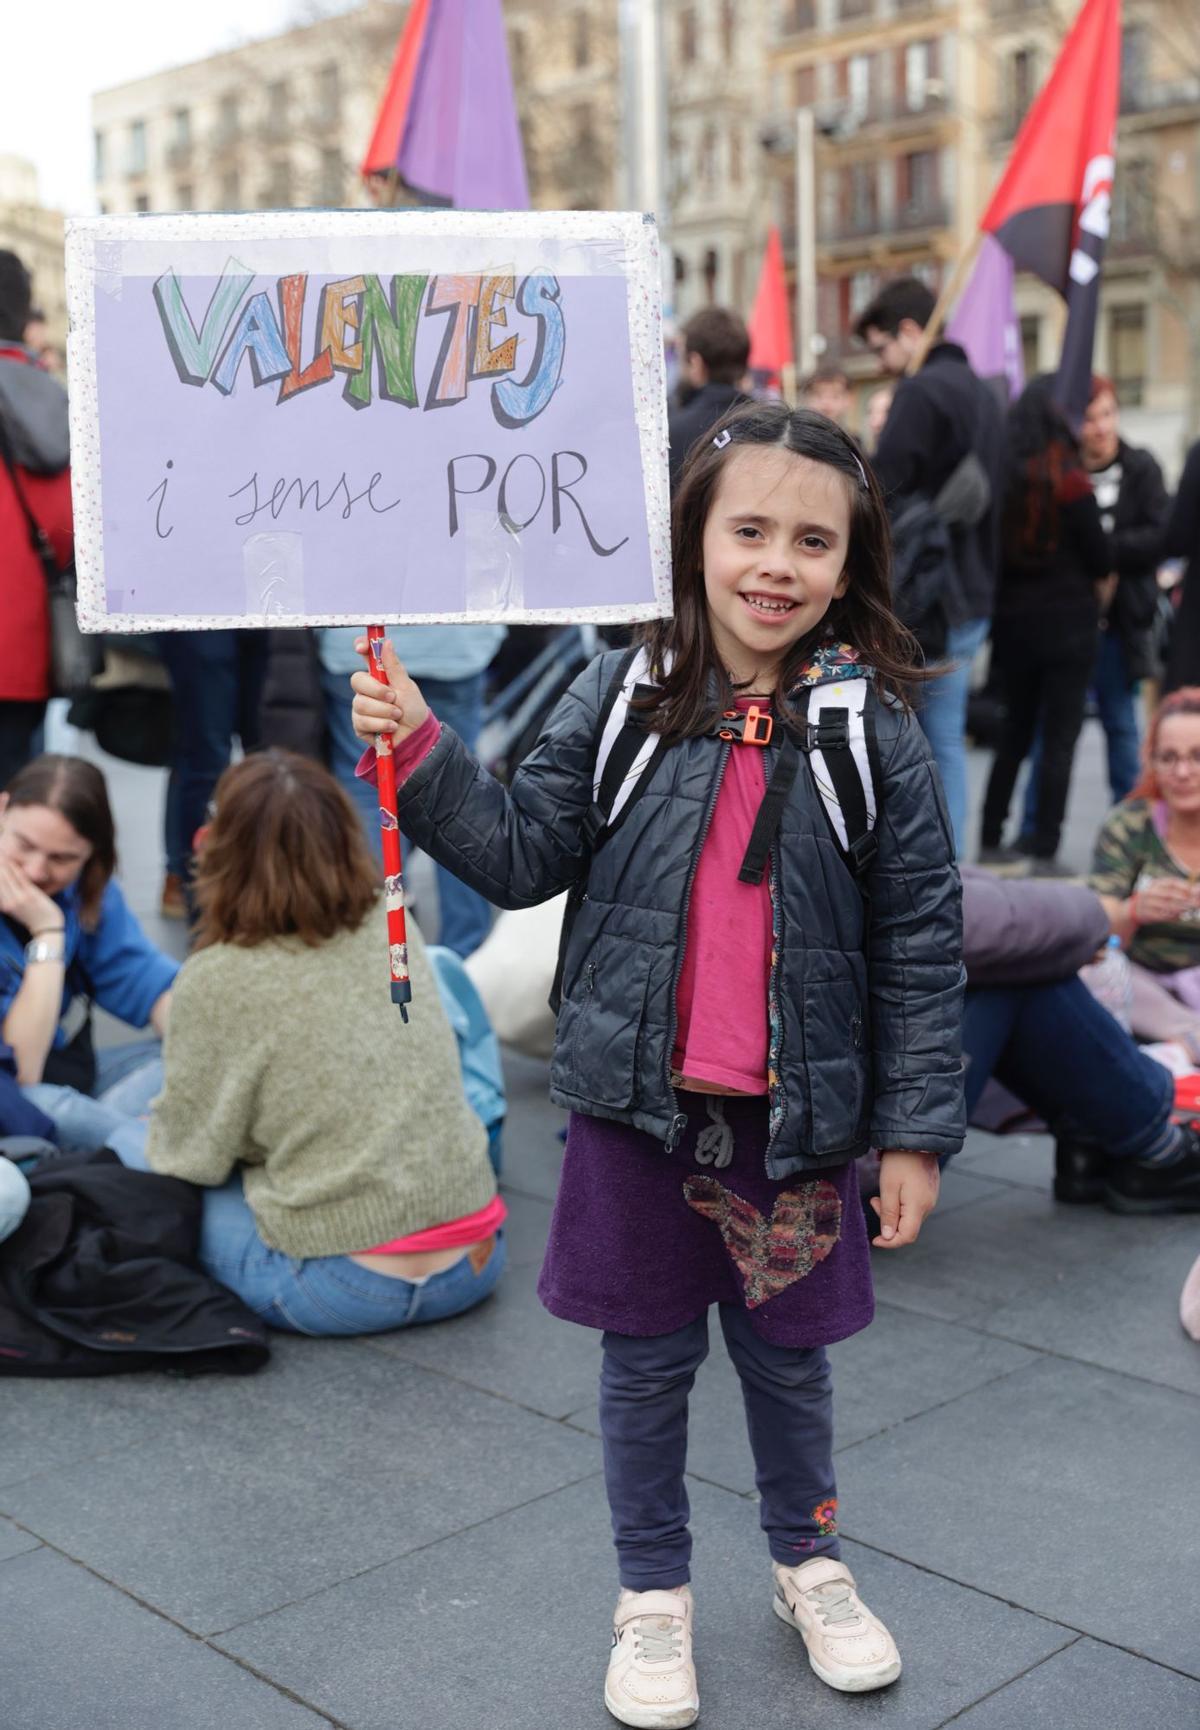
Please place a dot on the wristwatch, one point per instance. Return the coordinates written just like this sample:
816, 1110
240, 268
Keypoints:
45, 949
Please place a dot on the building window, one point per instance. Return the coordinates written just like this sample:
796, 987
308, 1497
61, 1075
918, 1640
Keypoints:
1134, 208
1031, 344
1127, 353
136, 160
708, 159
1134, 66
735, 157
858, 86
98, 155
680, 269
862, 197
800, 15
228, 121
329, 93
142, 201
862, 291
918, 184
728, 32
185, 196
231, 192
712, 265
1024, 84
916, 75
181, 129
687, 35
516, 54
333, 179
277, 193
581, 32
804, 86
277, 105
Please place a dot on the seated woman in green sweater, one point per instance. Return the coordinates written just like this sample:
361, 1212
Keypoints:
348, 1185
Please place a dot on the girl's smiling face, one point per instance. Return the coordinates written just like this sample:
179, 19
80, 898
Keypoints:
774, 548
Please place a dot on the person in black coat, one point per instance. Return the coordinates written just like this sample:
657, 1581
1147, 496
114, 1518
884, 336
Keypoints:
1181, 540
939, 416
1056, 558
716, 349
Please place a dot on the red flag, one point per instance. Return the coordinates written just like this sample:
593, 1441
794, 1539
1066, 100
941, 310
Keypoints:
384, 149
771, 319
1051, 209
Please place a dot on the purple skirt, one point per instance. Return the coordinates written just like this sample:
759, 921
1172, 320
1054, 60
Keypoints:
643, 1241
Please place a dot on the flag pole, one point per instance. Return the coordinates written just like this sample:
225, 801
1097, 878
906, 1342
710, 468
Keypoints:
946, 300
389, 828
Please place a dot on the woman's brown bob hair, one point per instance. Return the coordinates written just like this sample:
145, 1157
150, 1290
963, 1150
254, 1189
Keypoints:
77, 791
689, 697
284, 856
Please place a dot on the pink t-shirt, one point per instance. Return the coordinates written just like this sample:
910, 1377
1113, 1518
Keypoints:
721, 1004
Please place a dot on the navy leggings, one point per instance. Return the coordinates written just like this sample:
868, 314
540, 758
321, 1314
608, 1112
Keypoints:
644, 1388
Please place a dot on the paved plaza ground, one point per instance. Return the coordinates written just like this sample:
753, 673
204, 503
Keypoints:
410, 1532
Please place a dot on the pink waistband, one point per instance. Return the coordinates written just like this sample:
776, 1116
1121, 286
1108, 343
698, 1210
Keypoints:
454, 1234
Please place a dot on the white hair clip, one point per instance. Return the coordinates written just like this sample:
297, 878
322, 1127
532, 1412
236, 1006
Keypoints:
722, 439
862, 473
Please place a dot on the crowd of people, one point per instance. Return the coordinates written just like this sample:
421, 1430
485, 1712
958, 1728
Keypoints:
741, 1133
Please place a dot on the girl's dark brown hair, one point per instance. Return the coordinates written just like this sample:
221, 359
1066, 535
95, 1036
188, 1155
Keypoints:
690, 696
1185, 701
284, 856
77, 791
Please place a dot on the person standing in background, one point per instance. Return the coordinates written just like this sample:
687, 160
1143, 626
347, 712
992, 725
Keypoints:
939, 416
827, 391
35, 496
716, 350
1132, 497
450, 661
878, 405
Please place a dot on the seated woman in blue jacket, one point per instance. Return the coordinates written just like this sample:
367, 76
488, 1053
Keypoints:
68, 940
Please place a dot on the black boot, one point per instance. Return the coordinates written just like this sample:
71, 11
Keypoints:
1079, 1168
1133, 1187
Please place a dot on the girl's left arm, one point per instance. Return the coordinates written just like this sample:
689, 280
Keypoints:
914, 953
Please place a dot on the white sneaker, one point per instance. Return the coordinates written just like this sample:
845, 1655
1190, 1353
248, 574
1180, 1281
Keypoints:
651, 1681
848, 1647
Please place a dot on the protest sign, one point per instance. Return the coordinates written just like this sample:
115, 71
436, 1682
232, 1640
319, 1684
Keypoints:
398, 416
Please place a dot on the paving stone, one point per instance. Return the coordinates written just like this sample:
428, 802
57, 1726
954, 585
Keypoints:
1022, 1245
48, 1424
13, 1541
509, 1346
533, 1149
962, 1189
526, 1228
251, 1508
1090, 1687
1024, 1160
90, 1656
901, 1365
434, 1641
1065, 1489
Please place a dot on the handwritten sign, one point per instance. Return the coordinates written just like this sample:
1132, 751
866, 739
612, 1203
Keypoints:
403, 416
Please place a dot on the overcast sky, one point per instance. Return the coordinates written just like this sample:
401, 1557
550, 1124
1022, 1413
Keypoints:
66, 51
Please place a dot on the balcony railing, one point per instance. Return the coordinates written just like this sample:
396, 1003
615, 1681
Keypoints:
797, 16
1140, 96
911, 218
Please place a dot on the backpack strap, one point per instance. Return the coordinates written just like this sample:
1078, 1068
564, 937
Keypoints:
627, 754
843, 755
767, 819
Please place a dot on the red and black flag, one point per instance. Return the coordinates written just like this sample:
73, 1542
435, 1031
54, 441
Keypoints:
1050, 211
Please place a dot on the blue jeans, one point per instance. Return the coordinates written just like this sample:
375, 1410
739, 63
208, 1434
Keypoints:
943, 717
217, 681
644, 1388
320, 1294
128, 1079
464, 916
1062, 1053
14, 1197
1116, 699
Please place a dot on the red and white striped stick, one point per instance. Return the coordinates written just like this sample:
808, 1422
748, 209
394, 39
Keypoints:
389, 825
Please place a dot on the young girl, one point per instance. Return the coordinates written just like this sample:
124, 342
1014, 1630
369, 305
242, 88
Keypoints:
727, 1048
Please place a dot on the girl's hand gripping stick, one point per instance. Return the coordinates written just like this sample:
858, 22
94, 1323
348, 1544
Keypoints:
393, 885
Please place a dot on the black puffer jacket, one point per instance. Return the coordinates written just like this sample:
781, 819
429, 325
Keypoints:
866, 1017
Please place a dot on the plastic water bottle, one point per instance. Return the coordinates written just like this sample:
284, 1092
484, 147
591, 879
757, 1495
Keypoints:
1111, 981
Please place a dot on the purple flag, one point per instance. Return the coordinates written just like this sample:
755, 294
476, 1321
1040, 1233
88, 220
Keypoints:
985, 319
462, 143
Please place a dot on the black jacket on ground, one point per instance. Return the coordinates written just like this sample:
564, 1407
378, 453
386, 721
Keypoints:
1139, 519
866, 1012
101, 1276
937, 417
691, 420
1181, 540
